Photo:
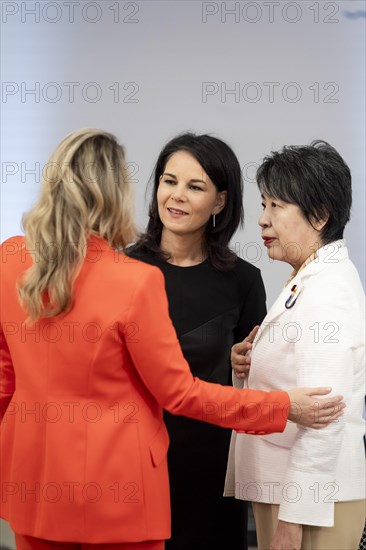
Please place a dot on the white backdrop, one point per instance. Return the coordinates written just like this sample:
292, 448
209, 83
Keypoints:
256, 74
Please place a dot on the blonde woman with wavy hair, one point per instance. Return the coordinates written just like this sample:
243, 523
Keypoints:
85, 191
89, 358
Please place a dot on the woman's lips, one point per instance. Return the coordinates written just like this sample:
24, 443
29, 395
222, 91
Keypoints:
176, 213
268, 240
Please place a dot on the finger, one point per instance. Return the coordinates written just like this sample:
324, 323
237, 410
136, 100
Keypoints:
318, 391
244, 368
252, 334
239, 360
324, 421
241, 374
334, 417
241, 370
248, 346
330, 401
243, 360
241, 348
331, 416
329, 409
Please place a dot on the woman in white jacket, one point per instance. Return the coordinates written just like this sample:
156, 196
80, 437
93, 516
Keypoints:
307, 487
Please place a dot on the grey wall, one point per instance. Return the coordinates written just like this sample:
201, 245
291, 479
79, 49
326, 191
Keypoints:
257, 74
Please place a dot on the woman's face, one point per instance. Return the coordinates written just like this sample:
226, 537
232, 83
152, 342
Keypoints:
288, 236
186, 196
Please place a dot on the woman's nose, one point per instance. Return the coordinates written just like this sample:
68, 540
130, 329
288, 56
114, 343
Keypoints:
263, 220
178, 193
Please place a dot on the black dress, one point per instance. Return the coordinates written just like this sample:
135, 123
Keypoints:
210, 310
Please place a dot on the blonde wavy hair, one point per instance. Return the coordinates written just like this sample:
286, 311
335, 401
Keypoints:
85, 190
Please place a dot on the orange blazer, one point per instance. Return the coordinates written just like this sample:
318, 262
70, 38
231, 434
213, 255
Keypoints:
83, 443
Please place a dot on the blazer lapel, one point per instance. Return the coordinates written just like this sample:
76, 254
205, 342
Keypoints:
332, 253
279, 307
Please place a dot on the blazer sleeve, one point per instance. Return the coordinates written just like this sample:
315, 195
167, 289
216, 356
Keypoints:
158, 358
7, 375
327, 334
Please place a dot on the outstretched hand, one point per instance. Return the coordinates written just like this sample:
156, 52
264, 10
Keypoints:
313, 412
307, 408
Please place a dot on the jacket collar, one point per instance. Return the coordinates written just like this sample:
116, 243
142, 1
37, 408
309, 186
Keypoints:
331, 253
96, 242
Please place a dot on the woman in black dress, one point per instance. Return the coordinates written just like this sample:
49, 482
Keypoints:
215, 299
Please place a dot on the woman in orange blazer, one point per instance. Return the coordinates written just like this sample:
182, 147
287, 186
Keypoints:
89, 359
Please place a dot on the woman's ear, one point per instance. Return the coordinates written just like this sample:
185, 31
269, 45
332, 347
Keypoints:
319, 224
220, 202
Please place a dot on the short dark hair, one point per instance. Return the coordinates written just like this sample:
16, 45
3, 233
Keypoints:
316, 179
222, 166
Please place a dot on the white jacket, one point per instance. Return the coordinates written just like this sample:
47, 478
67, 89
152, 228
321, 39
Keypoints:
319, 341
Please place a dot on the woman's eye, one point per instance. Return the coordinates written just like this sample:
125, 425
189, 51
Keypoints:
169, 182
195, 188
263, 205
274, 205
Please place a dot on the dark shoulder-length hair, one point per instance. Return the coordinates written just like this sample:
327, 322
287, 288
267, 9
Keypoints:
316, 179
222, 166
